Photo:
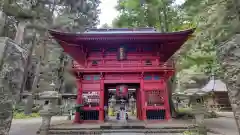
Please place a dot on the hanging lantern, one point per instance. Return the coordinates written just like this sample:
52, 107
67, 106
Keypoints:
122, 90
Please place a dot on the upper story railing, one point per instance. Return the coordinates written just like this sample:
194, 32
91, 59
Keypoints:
131, 65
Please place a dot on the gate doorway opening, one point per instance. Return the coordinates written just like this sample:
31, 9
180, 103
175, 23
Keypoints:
131, 102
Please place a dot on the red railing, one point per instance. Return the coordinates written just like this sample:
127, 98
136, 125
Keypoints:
169, 64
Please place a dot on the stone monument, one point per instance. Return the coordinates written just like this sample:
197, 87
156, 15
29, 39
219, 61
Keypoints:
12, 59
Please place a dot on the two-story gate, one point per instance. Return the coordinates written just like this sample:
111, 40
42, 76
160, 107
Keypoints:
138, 58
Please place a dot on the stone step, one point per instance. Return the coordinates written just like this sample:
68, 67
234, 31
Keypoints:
122, 127
124, 131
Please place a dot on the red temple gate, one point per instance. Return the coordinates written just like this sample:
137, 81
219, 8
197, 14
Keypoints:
122, 56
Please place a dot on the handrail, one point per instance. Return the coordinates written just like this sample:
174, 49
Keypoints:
169, 64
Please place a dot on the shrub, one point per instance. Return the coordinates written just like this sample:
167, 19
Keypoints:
186, 113
21, 115
190, 133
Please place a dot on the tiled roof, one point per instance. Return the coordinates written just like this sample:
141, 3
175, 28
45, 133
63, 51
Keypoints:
215, 85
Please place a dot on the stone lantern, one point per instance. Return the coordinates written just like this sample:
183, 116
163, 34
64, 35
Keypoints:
198, 108
195, 96
50, 109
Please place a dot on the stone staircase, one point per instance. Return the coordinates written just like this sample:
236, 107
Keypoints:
121, 129
173, 127
146, 131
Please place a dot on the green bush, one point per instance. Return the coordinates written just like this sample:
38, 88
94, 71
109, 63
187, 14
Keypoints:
186, 113
21, 115
190, 133
185, 110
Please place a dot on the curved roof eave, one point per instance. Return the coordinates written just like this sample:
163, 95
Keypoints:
149, 33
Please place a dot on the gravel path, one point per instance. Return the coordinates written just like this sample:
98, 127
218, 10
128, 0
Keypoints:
29, 126
223, 125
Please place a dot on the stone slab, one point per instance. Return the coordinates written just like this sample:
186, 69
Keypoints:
68, 124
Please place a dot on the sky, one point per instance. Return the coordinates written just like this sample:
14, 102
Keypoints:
108, 11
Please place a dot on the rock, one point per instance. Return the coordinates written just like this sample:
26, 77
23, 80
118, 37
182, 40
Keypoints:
229, 56
12, 59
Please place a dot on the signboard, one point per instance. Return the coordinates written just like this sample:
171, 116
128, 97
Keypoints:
121, 53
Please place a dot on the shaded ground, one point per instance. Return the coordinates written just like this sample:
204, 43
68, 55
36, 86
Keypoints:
226, 124
29, 126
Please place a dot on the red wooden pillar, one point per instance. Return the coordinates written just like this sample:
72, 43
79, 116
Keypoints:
137, 104
166, 99
101, 104
142, 98
79, 99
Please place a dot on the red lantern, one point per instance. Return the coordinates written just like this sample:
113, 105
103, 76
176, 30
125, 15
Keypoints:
122, 90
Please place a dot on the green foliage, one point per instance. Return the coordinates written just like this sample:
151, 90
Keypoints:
185, 110
190, 133
198, 55
216, 21
162, 15
21, 115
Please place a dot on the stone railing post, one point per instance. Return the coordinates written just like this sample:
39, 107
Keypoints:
50, 109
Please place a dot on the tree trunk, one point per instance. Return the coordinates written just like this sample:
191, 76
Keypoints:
165, 17
228, 54
30, 98
171, 87
20, 31
3, 18
160, 20
27, 64
41, 56
60, 75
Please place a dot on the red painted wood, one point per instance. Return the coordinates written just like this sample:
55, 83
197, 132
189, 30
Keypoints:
123, 70
73, 51
91, 86
91, 108
153, 85
143, 101
155, 108
132, 70
166, 98
101, 111
174, 39
122, 81
139, 105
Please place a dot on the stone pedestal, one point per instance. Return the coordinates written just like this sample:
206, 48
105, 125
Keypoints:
199, 112
46, 121
49, 110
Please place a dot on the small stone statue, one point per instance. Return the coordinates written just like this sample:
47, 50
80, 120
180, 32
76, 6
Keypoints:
122, 114
112, 104
122, 104
132, 104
